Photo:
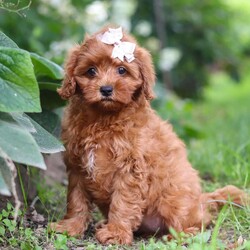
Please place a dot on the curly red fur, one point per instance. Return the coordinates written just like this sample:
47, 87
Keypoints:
121, 156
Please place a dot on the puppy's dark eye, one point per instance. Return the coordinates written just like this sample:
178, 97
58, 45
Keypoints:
121, 70
91, 72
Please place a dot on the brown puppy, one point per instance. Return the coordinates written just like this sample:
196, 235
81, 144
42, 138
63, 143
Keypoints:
120, 155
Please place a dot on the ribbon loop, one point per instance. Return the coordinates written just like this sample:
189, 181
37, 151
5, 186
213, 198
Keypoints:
121, 49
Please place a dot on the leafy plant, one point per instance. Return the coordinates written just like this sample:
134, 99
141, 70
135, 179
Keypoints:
14, 232
24, 77
61, 242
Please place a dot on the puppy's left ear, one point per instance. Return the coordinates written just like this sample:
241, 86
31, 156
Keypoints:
147, 72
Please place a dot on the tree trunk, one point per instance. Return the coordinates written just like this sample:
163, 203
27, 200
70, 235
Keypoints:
162, 35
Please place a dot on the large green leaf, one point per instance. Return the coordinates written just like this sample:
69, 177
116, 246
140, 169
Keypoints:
46, 142
5, 177
46, 68
17, 142
49, 120
49, 86
6, 174
6, 41
18, 86
4, 189
51, 100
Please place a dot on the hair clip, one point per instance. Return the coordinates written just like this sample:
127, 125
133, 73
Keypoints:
121, 49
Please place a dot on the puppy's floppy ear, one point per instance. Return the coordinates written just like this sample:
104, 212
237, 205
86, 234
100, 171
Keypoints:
69, 84
147, 72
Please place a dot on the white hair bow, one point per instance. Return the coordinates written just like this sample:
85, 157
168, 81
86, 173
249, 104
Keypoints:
121, 49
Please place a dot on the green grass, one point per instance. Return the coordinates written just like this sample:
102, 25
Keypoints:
217, 132
224, 152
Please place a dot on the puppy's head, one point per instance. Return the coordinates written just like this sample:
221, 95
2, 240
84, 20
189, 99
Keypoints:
106, 82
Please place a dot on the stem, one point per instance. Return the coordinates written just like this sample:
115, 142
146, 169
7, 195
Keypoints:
9, 163
22, 187
4, 6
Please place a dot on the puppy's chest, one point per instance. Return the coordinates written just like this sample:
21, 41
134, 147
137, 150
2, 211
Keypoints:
99, 168
100, 150
98, 158
101, 153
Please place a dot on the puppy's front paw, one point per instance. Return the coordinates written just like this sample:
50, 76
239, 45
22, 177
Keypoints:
114, 234
73, 226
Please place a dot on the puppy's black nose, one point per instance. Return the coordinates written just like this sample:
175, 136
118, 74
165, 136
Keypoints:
106, 90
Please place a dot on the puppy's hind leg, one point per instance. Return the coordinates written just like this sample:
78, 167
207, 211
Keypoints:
183, 214
76, 220
194, 214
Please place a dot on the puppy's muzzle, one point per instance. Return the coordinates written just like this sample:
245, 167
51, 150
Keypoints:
106, 91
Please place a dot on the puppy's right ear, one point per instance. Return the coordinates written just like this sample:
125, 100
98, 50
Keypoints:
69, 84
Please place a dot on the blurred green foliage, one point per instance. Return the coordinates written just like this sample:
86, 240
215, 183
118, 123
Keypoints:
37, 28
208, 35
205, 33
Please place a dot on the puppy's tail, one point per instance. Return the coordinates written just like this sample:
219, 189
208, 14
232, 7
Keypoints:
228, 194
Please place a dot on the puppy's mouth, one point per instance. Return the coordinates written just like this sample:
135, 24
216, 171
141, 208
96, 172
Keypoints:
107, 99
109, 104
